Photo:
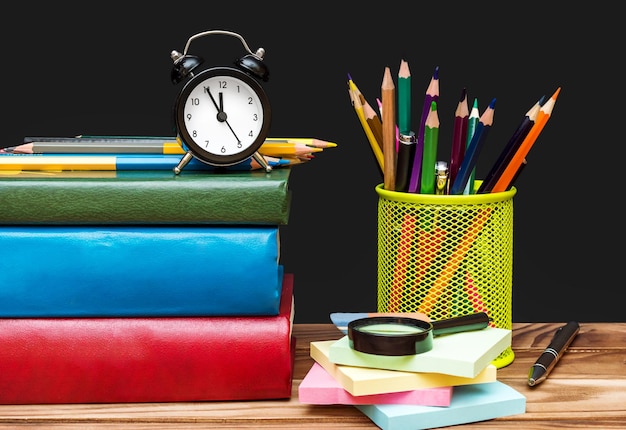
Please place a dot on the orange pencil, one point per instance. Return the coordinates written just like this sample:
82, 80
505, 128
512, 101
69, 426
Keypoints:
474, 296
509, 173
430, 244
388, 95
402, 263
453, 263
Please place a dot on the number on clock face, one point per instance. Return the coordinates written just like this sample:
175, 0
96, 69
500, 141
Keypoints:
223, 115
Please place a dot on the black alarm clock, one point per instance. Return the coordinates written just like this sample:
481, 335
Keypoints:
222, 114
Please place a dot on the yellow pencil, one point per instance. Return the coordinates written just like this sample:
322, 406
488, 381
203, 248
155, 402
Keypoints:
358, 108
281, 148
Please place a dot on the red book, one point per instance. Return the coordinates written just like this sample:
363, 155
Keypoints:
116, 360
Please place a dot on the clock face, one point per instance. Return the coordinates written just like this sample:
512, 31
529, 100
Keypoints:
222, 115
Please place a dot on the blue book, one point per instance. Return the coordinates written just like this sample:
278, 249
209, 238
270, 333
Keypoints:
89, 271
470, 403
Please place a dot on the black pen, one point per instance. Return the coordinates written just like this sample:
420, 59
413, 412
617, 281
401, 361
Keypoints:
551, 355
406, 150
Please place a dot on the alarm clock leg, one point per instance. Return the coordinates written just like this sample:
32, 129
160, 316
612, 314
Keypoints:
259, 159
183, 162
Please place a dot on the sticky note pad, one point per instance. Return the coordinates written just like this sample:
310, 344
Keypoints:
360, 381
470, 403
320, 388
461, 354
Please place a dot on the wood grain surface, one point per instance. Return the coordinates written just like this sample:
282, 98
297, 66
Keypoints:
586, 390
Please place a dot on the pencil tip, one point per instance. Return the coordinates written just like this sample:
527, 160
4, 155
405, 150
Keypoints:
542, 100
463, 94
493, 103
436, 73
349, 77
556, 93
475, 105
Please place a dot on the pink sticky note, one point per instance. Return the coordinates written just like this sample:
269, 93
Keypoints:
320, 388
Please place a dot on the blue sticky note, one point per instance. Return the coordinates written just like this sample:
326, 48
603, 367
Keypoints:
470, 403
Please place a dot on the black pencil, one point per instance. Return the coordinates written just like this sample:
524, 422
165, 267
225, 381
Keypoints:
510, 148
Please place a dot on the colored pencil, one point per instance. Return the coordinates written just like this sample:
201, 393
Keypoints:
16, 162
128, 145
404, 98
355, 89
506, 179
472, 122
277, 149
430, 244
402, 263
380, 113
308, 141
429, 158
371, 117
373, 120
519, 171
474, 297
454, 261
510, 148
388, 96
357, 104
97, 145
432, 94
473, 151
459, 136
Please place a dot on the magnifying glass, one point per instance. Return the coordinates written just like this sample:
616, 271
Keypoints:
395, 335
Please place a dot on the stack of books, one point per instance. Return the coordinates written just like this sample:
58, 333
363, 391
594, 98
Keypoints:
144, 286
453, 383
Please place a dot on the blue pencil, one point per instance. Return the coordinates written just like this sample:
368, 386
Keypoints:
473, 150
117, 162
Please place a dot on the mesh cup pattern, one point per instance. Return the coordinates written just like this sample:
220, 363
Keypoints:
444, 258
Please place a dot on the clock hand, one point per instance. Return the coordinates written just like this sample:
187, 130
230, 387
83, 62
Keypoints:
221, 115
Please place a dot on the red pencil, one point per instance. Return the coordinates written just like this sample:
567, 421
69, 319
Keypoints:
459, 136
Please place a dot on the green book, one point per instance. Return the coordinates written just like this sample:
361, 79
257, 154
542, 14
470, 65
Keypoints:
145, 197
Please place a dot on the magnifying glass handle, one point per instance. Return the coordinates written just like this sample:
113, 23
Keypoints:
476, 321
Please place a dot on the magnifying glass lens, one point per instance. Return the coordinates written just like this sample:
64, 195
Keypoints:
391, 329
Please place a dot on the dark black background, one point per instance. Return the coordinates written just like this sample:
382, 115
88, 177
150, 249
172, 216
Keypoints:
104, 68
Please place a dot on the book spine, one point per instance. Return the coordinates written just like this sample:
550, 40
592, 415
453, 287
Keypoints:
146, 198
111, 360
74, 271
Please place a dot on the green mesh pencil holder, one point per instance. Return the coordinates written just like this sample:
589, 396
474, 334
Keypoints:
447, 255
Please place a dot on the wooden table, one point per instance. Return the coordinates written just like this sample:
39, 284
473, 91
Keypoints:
587, 390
